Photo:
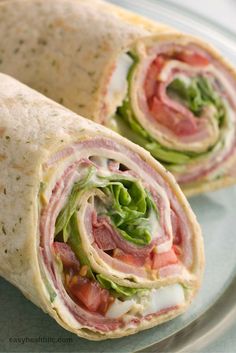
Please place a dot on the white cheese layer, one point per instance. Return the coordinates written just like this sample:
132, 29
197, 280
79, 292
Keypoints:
164, 298
118, 85
149, 302
119, 308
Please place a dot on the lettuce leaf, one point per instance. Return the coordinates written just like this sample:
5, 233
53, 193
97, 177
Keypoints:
70, 207
155, 148
75, 243
131, 210
120, 291
129, 207
51, 292
197, 95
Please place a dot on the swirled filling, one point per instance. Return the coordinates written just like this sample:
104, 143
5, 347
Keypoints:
179, 105
110, 227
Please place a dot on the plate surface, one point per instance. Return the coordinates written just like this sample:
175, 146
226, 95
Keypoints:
25, 328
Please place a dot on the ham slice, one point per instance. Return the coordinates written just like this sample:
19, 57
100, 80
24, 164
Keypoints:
107, 238
66, 255
120, 266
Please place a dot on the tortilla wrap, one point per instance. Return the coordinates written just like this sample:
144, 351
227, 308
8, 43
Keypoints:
102, 62
93, 230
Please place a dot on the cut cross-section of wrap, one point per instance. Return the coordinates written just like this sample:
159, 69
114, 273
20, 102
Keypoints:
180, 106
169, 92
93, 229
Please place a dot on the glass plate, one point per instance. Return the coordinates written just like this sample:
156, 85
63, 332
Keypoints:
25, 328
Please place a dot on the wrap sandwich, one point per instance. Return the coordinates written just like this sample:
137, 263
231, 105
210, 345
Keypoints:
169, 92
93, 229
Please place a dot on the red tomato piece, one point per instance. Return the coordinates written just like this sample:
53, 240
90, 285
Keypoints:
105, 303
191, 58
151, 81
152, 75
90, 294
164, 259
172, 120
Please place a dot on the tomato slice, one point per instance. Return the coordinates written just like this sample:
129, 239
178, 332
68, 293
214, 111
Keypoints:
173, 120
164, 259
90, 294
128, 258
105, 303
191, 58
152, 75
67, 256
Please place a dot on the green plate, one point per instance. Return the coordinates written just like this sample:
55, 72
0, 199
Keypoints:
25, 328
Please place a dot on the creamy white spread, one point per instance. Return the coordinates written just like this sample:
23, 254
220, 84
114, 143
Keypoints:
118, 85
117, 89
